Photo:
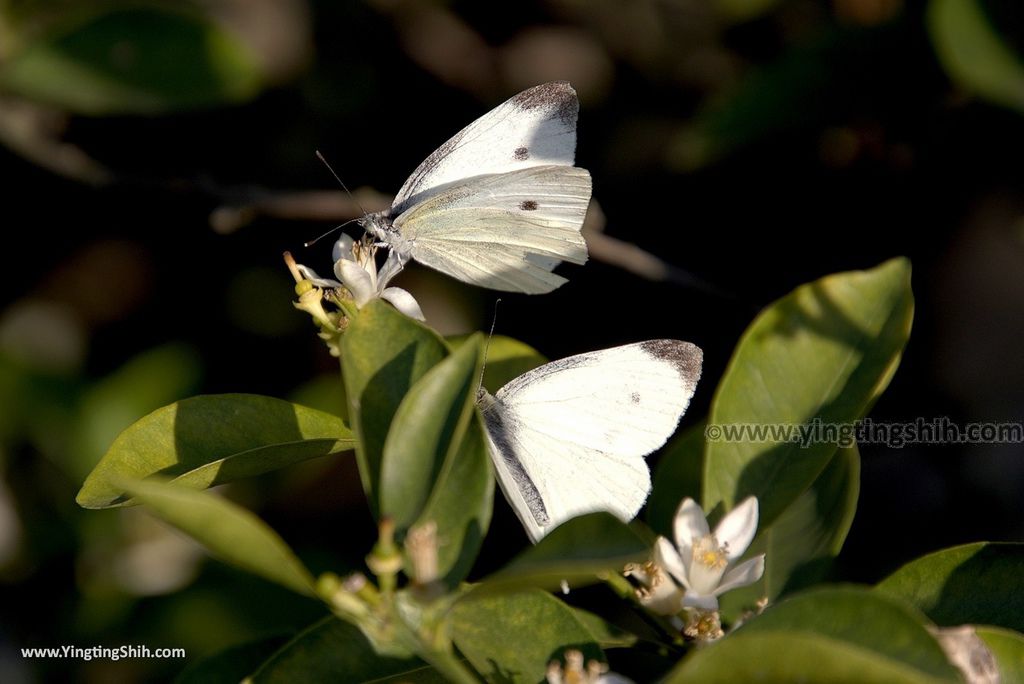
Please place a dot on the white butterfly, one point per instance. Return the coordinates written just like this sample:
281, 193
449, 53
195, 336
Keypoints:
570, 437
500, 204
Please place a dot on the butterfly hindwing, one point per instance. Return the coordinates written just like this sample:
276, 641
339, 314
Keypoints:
504, 231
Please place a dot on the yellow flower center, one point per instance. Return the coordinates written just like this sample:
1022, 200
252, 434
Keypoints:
708, 553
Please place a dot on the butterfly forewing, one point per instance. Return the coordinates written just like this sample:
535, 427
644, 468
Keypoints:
537, 127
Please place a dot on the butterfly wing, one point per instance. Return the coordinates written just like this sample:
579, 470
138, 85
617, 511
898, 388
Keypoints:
502, 231
537, 127
570, 437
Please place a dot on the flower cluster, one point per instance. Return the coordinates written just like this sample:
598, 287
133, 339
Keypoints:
358, 280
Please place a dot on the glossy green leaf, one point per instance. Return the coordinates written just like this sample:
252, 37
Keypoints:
793, 657
426, 433
227, 530
128, 60
512, 637
383, 354
606, 634
435, 466
979, 583
577, 551
676, 477
841, 634
230, 665
209, 440
335, 651
973, 53
461, 505
821, 354
1008, 648
802, 542
506, 359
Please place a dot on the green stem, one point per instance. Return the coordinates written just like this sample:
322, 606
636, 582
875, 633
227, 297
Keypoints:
451, 667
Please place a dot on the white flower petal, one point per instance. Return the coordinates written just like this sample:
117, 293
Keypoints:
737, 529
404, 302
743, 574
690, 523
392, 266
343, 248
691, 600
310, 275
356, 279
666, 556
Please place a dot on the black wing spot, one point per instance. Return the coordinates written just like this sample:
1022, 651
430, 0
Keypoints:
528, 205
521, 153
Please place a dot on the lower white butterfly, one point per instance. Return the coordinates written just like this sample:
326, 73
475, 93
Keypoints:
570, 437
500, 204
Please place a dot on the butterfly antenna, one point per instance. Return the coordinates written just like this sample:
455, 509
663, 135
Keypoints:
341, 182
321, 237
487, 347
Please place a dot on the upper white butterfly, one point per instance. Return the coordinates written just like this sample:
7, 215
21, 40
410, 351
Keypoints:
500, 204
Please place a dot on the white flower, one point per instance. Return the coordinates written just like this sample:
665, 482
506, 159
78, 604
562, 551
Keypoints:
700, 558
657, 592
703, 625
355, 266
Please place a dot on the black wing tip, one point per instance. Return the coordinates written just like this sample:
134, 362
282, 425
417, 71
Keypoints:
687, 357
558, 96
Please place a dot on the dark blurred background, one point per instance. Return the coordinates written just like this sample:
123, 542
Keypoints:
157, 158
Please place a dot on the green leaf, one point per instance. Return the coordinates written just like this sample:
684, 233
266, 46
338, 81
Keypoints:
436, 467
512, 637
506, 359
230, 665
209, 440
841, 634
577, 551
230, 532
1008, 649
802, 542
606, 634
426, 432
461, 505
974, 55
334, 651
131, 60
383, 354
823, 354
793, 657
979, 583
676, 477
